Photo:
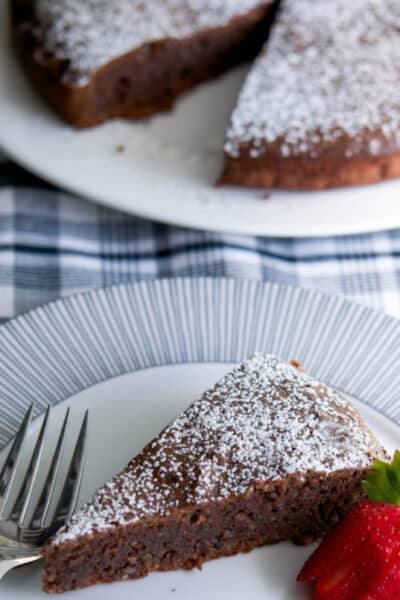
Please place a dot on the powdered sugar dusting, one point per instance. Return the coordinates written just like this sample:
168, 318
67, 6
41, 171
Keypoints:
330, 72
91, 33
262, 421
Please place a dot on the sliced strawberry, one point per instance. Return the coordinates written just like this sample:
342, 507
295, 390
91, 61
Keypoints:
360, 555
350, 580
335, 548
338, 594
360, 560
338, 581
339, 545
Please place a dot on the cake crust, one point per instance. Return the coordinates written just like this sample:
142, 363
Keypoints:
306, 173
321, 106
267, 454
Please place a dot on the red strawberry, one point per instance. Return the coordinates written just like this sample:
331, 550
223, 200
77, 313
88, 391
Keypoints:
388, 587
335, 549
360, 559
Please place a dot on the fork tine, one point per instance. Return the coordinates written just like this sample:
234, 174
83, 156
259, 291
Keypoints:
70, 493
18, 510
10, 466
39, 519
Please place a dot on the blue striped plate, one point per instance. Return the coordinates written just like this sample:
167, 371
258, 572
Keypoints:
138, 354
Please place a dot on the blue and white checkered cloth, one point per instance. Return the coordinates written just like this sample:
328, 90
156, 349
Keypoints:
53, 244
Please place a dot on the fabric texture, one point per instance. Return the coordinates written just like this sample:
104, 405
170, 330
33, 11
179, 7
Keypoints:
53, 244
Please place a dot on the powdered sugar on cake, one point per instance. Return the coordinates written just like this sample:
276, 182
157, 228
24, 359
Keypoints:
91, 33
263, 421
329, 74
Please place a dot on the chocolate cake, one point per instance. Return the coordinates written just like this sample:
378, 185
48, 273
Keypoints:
97, 59
267, 454
321, 106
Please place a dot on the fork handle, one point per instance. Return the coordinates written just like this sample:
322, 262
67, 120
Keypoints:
14, 554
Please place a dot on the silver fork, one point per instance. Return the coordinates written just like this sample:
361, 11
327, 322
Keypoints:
23, 527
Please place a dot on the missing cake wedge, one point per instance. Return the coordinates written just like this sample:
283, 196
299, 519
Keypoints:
267, 454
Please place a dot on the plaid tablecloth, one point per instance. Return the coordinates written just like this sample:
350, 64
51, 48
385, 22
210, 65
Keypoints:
53, 244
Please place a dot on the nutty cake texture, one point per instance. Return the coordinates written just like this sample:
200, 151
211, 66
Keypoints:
267, 454
321, 105
96, 59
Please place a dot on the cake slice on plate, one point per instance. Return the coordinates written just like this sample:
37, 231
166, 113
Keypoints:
97, 59
321, 106
267, 454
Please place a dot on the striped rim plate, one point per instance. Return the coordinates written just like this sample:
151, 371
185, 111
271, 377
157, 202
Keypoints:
99, 351
54, 352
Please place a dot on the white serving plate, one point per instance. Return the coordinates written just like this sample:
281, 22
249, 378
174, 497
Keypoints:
169, 166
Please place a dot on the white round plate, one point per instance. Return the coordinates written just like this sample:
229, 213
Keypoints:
137, 355
169, 165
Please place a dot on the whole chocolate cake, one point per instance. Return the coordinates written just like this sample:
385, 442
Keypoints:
267, 454
320, 107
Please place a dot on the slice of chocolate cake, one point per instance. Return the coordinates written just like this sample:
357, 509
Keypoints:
97, 59
321, 107
267, 454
